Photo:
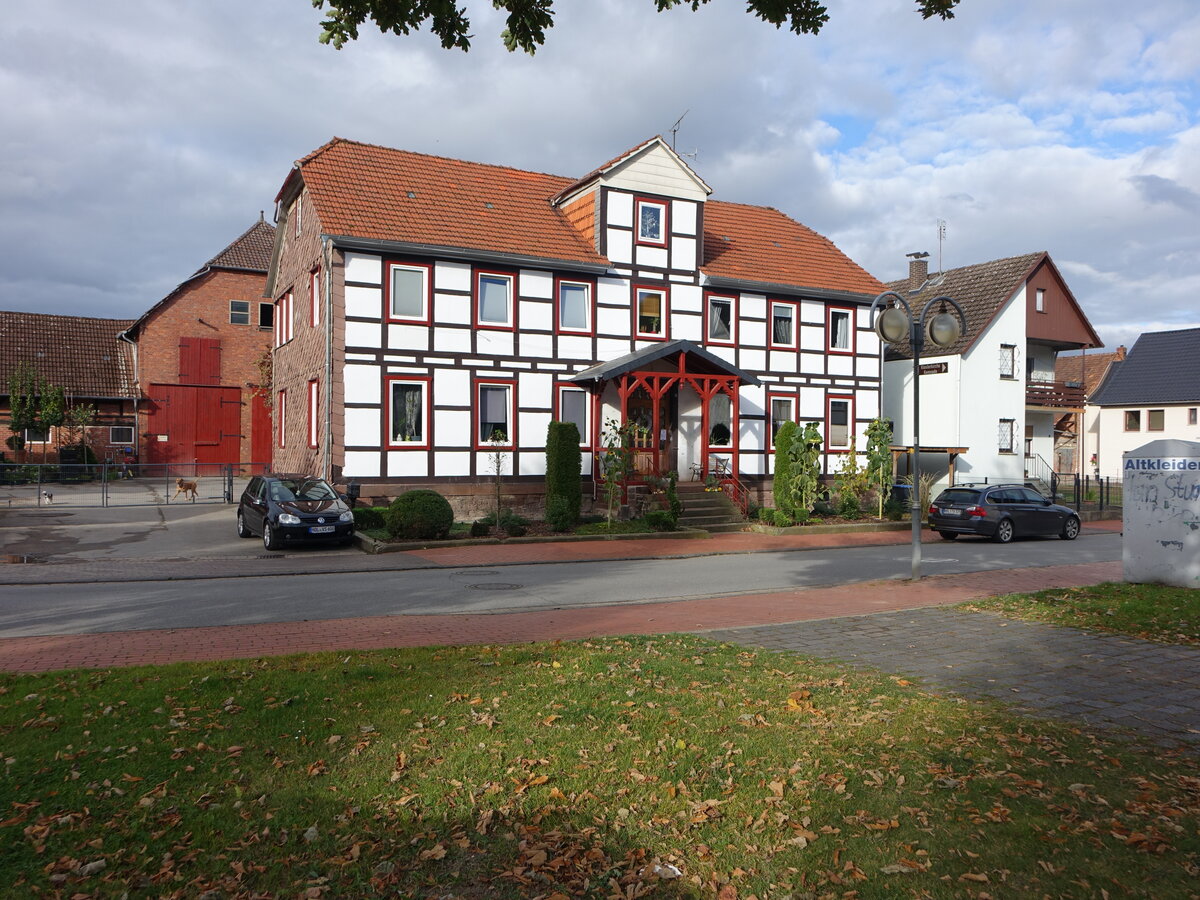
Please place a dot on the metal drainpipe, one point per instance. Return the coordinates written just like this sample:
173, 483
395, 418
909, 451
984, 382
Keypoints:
137, 390
327, 270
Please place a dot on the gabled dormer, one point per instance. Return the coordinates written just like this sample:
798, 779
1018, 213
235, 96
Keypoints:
643, 210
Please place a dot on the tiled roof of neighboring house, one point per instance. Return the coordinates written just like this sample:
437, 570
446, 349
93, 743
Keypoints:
365, 191
1162, 367
376, 193
1087, 369
249, 252
82, 355
981, 290
758, 243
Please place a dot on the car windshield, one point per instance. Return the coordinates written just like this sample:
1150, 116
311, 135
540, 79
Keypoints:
295, 489
950, 497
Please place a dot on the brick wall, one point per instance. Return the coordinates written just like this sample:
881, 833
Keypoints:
305, 356
200, 309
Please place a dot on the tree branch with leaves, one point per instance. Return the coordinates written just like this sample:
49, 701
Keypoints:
528, 20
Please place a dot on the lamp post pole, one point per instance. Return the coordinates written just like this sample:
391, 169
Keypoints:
894, 321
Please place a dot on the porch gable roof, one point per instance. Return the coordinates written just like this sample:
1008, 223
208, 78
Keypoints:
638, 359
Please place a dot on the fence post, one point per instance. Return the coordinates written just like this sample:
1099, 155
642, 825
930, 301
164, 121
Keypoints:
39, 486
228, 482
104, 484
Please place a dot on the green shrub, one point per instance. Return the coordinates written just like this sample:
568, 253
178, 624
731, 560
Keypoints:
507, 517
369, 517
801, 516
849, 507
895, 509
782, 519
564, 463
559, 514
479, 528
781, 486
766, 515
824, 509
674, 504
419, 515
515, 529
660, 520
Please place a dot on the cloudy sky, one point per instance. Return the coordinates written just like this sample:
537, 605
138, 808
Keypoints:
137, 139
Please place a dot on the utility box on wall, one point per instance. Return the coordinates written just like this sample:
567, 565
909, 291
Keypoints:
1162, 513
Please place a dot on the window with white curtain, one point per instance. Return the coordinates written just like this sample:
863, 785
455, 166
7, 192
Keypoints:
408, 412
783, 325
720, 421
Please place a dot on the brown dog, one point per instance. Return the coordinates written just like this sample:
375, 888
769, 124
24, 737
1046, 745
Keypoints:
187, 488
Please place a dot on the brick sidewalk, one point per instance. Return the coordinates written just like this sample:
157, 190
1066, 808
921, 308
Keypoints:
49, 652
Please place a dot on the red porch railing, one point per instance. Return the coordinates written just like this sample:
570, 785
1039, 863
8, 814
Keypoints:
736, 491
1058, 394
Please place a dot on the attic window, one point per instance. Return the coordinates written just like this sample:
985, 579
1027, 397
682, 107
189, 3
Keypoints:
652, 226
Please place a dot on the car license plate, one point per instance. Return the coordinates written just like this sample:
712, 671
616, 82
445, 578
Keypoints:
951, 512
321, 529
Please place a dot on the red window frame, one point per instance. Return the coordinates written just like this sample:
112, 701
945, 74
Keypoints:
591, 306
283, 319
830, 399
665, 313
733, 319
585, 436
426, 418
314, 297
314, 411
665, 206
281, 423
511, 277
427, 317
477, 408
779, 395
842, 351
795, 308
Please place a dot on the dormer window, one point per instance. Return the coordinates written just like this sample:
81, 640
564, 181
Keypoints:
651, 222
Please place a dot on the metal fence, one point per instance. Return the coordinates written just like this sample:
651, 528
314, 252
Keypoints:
122, 484
1087, 492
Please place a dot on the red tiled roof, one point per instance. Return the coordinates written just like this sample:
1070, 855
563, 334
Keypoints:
365, 191
1088, 369
250, 252
758, 243
81, 355
377, 193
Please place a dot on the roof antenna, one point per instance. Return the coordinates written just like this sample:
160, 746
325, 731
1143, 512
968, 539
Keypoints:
941, 230
675, 127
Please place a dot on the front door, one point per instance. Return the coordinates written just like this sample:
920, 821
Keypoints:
655, 451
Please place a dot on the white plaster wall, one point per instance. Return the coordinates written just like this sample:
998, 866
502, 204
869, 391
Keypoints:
689, 430
612, 292
484, 463
536, 314
362, 384
407, 463
360, 465
536, 284
620, 208
452, 276
452, 340
654, 171
611, 348
364, 267
451, 309
363, 428
447, 464
532, 462
1160, 510
494, 343
753, 361
366, 303
363, 334
683, 218
683, 253
620, 246
841, 365
613, 320
452, 427
782, 360
653, 257
531, 433
540, 346
401, 337
535, 390
687, 298
687, 327
568, 348
812, 338
451, 387
1112, 440
812, 404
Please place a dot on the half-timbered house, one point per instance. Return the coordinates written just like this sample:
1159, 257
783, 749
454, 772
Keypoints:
434, 315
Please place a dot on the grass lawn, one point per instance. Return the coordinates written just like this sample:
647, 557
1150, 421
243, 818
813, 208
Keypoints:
1151, 611
666, 767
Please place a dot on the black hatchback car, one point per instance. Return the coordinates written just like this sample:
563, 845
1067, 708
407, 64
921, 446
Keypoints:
1000, 512
293, 509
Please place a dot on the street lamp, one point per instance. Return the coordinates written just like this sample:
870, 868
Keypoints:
895, 322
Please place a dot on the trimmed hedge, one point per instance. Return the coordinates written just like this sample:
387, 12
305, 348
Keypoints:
369, 517
419, 515
564, 463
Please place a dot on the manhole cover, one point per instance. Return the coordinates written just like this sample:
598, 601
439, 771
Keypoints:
495, 586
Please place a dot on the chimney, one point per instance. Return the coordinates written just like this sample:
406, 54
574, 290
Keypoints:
918, 270
1121, 352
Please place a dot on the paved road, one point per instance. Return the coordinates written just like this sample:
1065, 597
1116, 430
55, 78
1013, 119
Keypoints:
33, 609
1097, 679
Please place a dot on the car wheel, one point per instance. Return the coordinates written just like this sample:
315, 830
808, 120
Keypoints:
243, 531
270, 539
1070, 529
948, 535
1004, 532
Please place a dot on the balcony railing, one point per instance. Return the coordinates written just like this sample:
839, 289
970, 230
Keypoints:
1058, 394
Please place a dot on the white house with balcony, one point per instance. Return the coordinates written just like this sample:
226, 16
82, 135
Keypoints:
989, 402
